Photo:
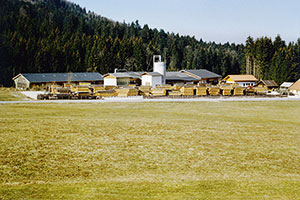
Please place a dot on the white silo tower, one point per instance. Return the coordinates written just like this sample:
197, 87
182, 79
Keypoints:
160, 67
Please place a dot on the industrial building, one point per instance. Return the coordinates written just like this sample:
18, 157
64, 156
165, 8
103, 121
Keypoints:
32, 80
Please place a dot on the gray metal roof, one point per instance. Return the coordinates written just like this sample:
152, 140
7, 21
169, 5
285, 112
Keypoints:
203, 73
152, 73
125, 75
62, 77
179, 76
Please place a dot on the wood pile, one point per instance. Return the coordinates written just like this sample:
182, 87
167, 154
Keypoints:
82, 90
106, 93
158, 91
84, 83
144, 90
175, 93
214, 91
166, 87
250, 90
110, 87
260, 90
187, 90
127, 92
226, 90
238, 91
201, 91
52, 89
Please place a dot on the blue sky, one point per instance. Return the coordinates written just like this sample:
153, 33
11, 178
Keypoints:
211, 20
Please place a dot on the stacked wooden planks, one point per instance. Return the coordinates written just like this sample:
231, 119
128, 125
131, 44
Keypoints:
187, 90
82, 90
96, 89
107, 93
127, 92
226, 90
201, 91
158, 91
175, 93
214, 91
238, 91
144, 90
260, 91
166, 87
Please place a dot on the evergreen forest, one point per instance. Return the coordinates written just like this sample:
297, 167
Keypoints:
60, 36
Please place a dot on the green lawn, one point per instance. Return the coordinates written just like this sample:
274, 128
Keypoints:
198, 150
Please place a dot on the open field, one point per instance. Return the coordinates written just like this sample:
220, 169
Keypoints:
157, 150
8, 94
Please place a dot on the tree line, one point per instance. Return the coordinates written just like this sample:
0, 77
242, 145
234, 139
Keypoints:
59, 36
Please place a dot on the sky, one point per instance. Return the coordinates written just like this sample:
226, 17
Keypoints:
220, 21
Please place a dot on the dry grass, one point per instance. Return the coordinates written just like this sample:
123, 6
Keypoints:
10, 94
199, 150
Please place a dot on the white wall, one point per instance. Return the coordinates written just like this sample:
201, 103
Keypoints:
110, 81
246, 84
148, 80
156, 80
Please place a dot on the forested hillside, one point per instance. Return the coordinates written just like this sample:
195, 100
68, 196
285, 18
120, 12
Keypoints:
58, 36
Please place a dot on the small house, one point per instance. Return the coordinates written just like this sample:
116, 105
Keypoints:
295, 88
269, 85
32, 80
284, 87
243, 80
152, 79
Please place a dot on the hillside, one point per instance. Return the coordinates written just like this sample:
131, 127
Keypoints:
59, 36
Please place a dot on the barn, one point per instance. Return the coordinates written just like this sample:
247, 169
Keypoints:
37, 80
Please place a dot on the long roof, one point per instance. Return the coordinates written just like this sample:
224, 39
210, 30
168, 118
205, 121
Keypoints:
295, 86
175, 76
61, 77
242, 77
125, 75
203, 73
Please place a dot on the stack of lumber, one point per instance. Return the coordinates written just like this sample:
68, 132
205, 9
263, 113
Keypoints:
250, 90
226, 90
214, 91
127, 92
52, 89
107, 93
187, 90
260, 90
63, 90
144, 90
201, 91
67, 85
96, 89
84, 83
158, 91
238, 91
176, 87
166, 87
82, 90
110, 87
175, 93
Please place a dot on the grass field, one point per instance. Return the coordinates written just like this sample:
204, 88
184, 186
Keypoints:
8, 94
199, 150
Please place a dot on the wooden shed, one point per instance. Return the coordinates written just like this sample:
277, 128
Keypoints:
269, 85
